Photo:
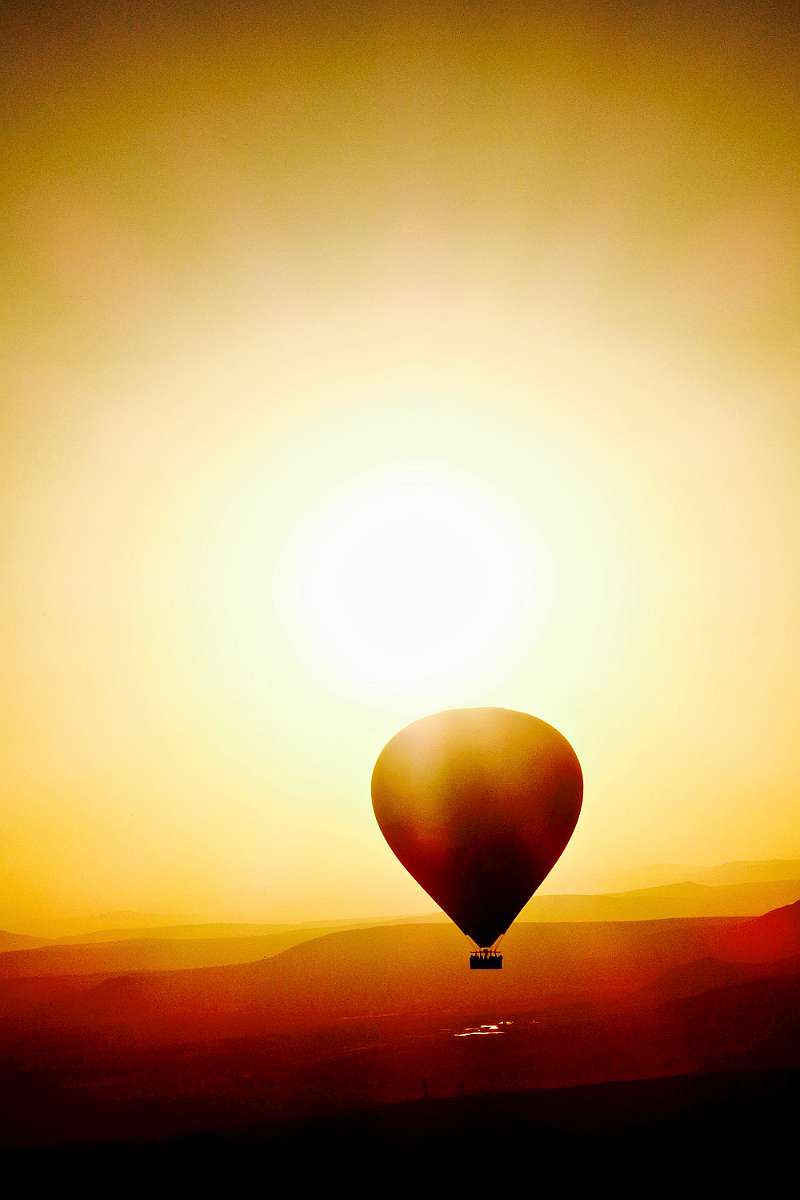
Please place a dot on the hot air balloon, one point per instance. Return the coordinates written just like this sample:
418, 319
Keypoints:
478, 805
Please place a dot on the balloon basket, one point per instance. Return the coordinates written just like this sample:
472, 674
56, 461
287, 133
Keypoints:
486, 960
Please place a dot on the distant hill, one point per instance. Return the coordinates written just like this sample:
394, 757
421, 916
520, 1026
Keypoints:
297, 932
725, 874
684, 899
200, 932
18, 941
670, 901
174, 948
380, 972
98, 929
400, 969
59, 927
730, 890
765, 939
141, 954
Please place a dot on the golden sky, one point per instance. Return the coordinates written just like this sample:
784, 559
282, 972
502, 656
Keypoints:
514, 284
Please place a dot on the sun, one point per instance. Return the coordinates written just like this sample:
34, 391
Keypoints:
408, 576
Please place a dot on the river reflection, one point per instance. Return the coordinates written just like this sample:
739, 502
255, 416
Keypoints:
484, 1030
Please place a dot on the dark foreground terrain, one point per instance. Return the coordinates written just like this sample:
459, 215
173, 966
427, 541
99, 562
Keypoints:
638, 1045
733, 1130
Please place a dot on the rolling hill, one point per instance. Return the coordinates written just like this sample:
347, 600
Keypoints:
683, 899
773, 870
774, 936
140, 954
367, 1017
406, 969
245, 940
18, 941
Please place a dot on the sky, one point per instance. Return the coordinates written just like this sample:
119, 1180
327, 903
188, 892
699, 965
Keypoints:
363, 360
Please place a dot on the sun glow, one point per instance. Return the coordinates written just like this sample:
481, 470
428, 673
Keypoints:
411, 576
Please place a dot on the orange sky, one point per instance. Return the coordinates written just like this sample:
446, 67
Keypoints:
268, 270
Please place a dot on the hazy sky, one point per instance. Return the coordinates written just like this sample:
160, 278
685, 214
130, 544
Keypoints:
514, 287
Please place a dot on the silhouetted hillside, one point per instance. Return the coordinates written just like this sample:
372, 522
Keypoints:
708, 974
683, 899
669, 902
60, 927
686, 1127
114, 958
721, 875
773, 936
171, 933
368, 972
374, 971
370, 1017
734, 889
18, 941
99, 1087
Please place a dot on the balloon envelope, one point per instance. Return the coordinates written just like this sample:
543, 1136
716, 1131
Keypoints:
478, 804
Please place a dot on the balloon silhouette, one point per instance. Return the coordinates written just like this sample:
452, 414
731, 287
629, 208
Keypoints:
478, 805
